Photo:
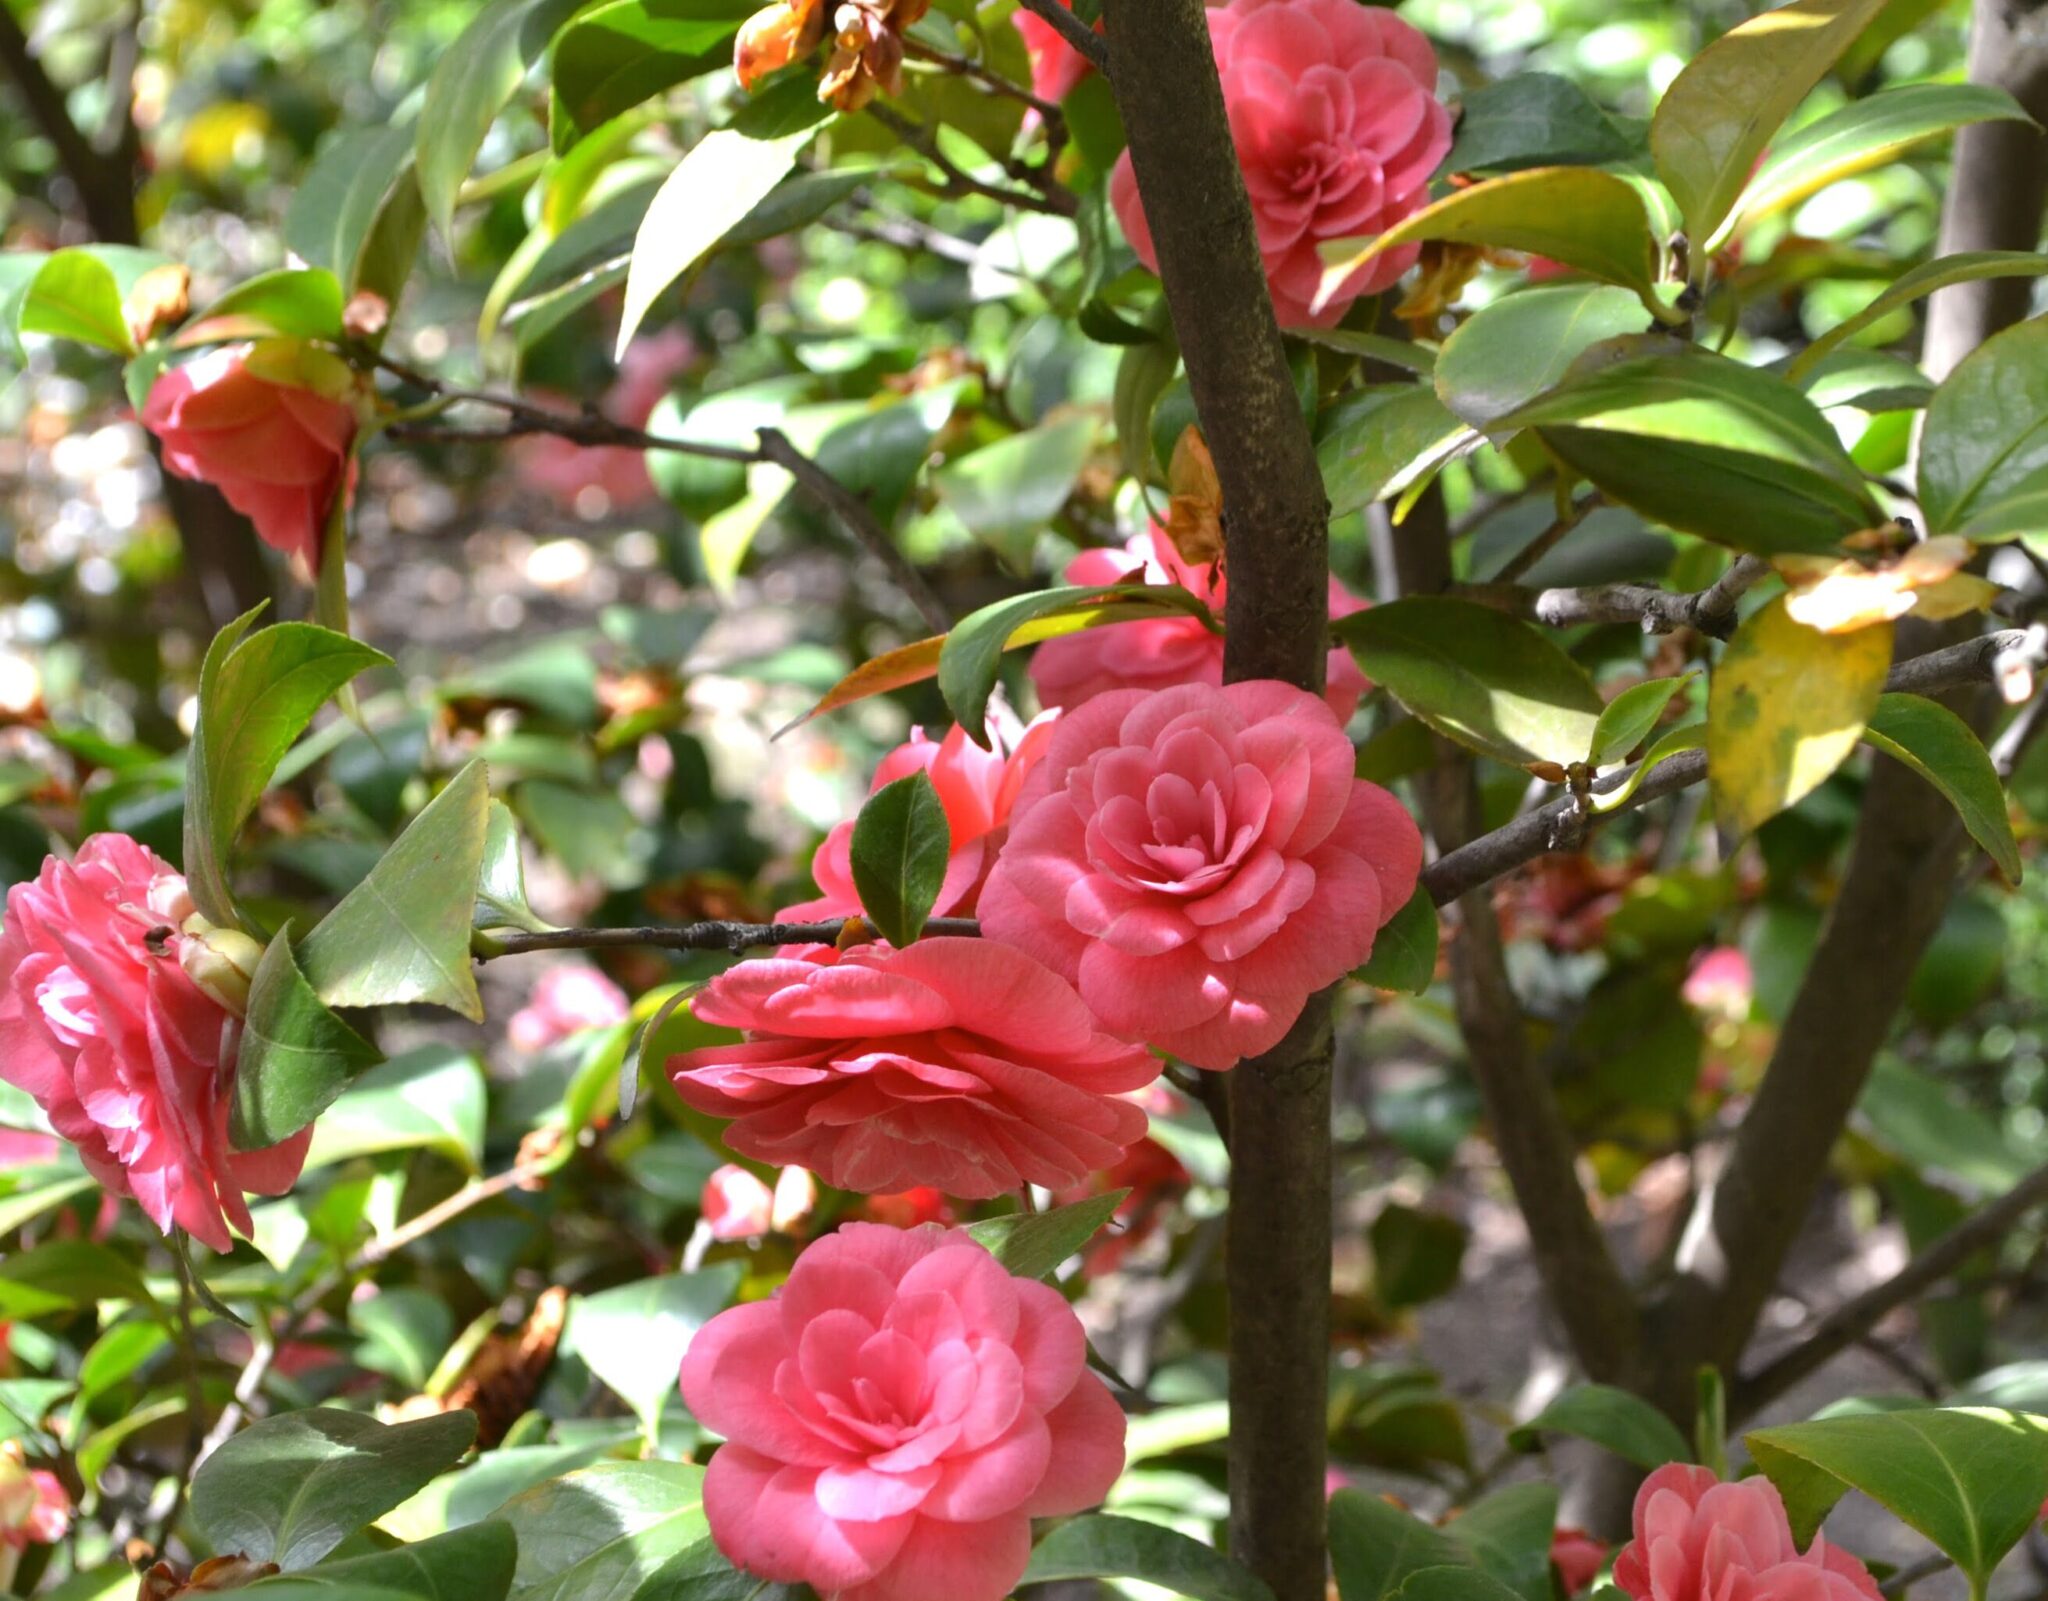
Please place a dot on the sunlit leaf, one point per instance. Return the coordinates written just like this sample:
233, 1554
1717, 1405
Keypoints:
1105, 1547
898, 856
1611, 1418
1945, 750
1506, 354
1032, 1245
1986, 433
296, 1056
1967, 267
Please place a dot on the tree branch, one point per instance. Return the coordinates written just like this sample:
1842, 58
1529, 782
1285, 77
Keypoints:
1658, 611
1045, 195
709, 936
105, 182
1853, 1319
1072, 29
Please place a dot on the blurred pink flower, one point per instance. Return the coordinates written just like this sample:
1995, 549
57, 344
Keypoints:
1334, 113
1199, 861
129, 1058
1056, 66
738, 1206
958, 1063
1160, 652
1720, 981
35, 1508
1697, 1539
566, 999
1578, 1558
565, 470
977, 788
895, 1417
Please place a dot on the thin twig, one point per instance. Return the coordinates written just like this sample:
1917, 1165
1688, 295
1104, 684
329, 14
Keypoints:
1072, 29
984, 75
1048, 197
1913, 1572
1657, 611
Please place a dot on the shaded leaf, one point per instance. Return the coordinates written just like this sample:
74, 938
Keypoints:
1381, 1552
1382, 441
1106, 1547
501, 881
898, 856
1945, 750
430, 1098
1506, 354
1032, 1245
296, 1056
1509, 1534
1629, 718
1403, 957
604, 1530
1611, 1418
1966, 267
615, 56
467, 1564
1535, 119
1986, 433
634, 1337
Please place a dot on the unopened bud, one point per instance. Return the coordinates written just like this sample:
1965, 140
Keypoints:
159, 299
221, 961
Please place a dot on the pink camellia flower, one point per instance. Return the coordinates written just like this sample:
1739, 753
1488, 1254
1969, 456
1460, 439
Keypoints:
566, 999
35, 1508
1697, 1539
1160, 652
738, 1206
977, 788
1056, 66
895, 1417
1720, 982
906, 1209
270, 426
565, 470
111, 1016
1334, 113
1200, 861
957, 1063
1578, 1558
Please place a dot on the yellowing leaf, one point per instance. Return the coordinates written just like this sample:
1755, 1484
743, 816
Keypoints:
1839, 597
1785, 707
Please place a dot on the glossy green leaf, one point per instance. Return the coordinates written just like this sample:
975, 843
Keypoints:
76, 294
1032, 1245
1580, 216
634, 1337
724, 176
357, 211
1143, 373
1416, 1255
618, 54
701, 1572
1535, 119
1708, 446
501, 881
1612, 1419
1674, 742
1403, 957
1720, 113
1971, 1479
604, 1530
290, 303
1478, 676
1509, 1534
1945, 750
1967, 267
296, 1056
474, 80
1871, 380
898, 856
66, 1274
473, 1563
1923, 1121
2019, 511
1987, 427
290, 1488
1381, 441
1105, 1547
1785, 707
879, 452
256, 696
402, 935
431, 1098
1384, 348
1629, 718
1380, 1553
1506, 354
1863, 134
972, 653
1008, 492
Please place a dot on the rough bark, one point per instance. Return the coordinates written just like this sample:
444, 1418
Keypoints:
1276, 526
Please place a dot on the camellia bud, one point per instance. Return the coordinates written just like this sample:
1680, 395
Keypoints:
221, 961
774, 37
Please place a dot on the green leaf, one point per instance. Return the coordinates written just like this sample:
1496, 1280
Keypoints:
724, 176
1674, 742
620, 54
1920, 1120
1105, 1547
1478, 676
1509, 1534
1731, 99
1006, 493
296, 1056
634, 1337
1403, 957
290, 303
292, 1487
603, 1530
1612, 1419
1785, 706
1383, 348
1381, 441
1629, 718
1708, 446
474, 1563
1971, 1479
1506, 354
430, 1098
878, 453
1863, 134
76, 294
256, 696
1870, 380
1945, 750
972, 653
66, 1274
1416, 1255
501, 881
1987, 427
1381, 1552
357, 212
1535, 119
1967, 267
899, 853
402, 935
787, 105
1143, 373
1580, 216
1032, 1245
701, 1572
474, 79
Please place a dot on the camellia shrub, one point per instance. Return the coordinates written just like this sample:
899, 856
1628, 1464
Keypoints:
1520, 586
